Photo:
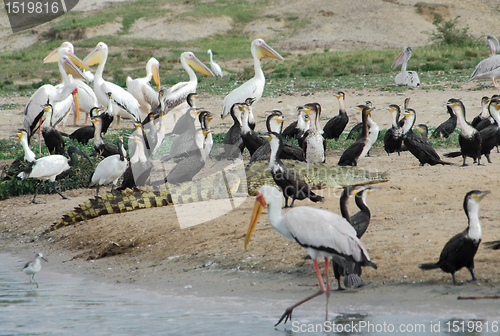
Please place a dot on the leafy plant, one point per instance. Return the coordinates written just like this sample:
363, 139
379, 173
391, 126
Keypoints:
448, 32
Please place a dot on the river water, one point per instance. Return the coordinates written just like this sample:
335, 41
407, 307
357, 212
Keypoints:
66, 305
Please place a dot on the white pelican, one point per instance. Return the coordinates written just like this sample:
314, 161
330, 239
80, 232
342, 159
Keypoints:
33, 267
33, 111
407, 78
179, 92
110, 169
254, 87
214, 66
322, 233
47, 168
142, 90
87, 97
489, 67
122, 100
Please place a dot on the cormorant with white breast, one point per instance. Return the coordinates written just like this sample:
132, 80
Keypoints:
360, 147
394, 136
460, 250
314, 145
469, 139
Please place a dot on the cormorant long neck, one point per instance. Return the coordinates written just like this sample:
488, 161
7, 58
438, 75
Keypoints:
466, 129
344, 197
495, 114
360, 200
395, 111
409, 123
139, 155
121, 150
341, 105
272, 124
484, 107
236, 115
364, 115
474, 228
276, 148
244, 122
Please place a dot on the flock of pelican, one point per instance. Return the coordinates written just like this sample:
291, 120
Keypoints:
324, 234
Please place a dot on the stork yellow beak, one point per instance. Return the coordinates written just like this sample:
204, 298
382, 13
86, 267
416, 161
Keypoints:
266, 51
198, 65
260, 204
156, 76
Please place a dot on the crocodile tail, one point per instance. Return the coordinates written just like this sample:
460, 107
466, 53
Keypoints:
113, 202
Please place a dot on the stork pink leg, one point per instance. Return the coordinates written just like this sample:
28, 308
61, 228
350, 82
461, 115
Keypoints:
322, 289
327, 287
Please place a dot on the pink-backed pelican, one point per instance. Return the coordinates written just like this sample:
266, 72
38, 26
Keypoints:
406, 78
122, 100
179, 92
254, 87
142, 90
489, 67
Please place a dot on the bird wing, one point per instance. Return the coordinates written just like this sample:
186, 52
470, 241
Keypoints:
150, 95
123, 99
48, 166
452, 246
250, 89
323, 230
178, 94
35, 106
485, 66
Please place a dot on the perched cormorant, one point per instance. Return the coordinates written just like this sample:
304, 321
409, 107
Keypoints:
484, 112
360, 147
336, 125
274, 123
460, 250
187, 168
314, 145
469, 138
101, 146
490, 136
355, 132
447, 127
420, 147
139, 169
251, 139
186, 121
233, 143
393, 138
52, 138
291, 183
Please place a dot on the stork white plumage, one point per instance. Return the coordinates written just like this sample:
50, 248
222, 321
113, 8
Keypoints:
110, 169
489, 67
254, 87
142, 90
122, 99
179, 92
33, 267
47, 168
405, 78
87, 97
216, 69
322, 233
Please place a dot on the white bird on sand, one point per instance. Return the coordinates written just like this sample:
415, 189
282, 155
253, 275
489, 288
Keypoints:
33, 267
47, 168
254, 87
407, 78
322, 233
122, 100
142, 90
214, 66
110, 169
489, 67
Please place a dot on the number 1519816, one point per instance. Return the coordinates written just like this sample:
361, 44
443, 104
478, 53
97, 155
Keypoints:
28, 7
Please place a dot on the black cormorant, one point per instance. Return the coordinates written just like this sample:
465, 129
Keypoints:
460, 250
336, 125
360, 147
291, 183
393, 138
447, 127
